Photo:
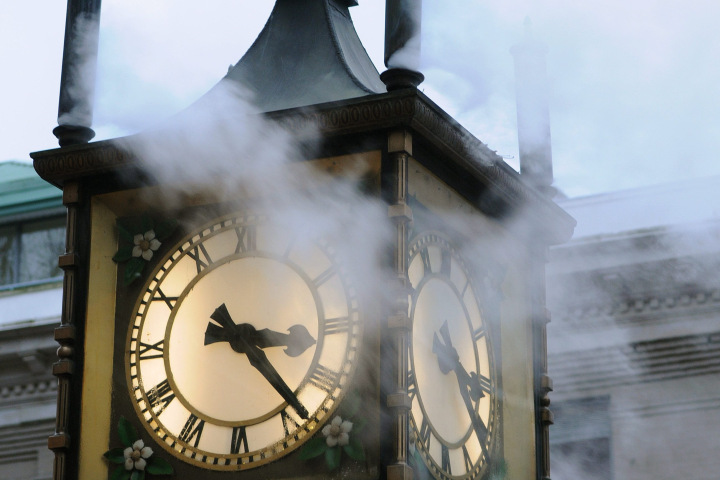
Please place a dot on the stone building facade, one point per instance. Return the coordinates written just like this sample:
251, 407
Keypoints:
634, 346
32, 226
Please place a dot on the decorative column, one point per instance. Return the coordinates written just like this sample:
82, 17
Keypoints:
543, 382
533, 117
70, 351
398, 323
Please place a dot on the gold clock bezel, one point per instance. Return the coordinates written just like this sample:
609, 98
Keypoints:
334, 385
474, 467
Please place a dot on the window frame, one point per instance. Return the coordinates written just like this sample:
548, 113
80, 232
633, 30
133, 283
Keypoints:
16, 223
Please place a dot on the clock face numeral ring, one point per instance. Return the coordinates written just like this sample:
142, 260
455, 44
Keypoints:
242, 343
452, 378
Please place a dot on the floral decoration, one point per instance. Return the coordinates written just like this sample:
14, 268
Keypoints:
137, 455
134, 460
140, 238
337, 432
339, 436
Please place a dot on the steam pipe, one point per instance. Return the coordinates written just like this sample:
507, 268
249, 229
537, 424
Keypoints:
79, 65
533, 113
403, 20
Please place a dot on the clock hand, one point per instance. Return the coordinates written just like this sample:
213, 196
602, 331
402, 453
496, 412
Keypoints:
244, 338
448, 359
297, 341
469, 384
259, 360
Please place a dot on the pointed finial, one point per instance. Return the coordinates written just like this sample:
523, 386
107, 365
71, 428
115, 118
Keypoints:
533, 117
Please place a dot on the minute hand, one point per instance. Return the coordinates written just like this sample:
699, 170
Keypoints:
244, 338
448, 359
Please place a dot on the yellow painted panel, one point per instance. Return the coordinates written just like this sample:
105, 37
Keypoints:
99, 331
517, 374
361, 167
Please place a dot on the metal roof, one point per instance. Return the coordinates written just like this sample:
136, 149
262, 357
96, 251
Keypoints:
307, 53
22, 191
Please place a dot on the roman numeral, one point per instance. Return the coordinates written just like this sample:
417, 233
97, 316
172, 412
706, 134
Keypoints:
425, 256
479, 333
324, 276
161, 297
411, 385
289, 424
247, 238
148, 351
192, 430
324, 378
160, 394
446, 459
201, 257
336, 325
485, 383
445, 263
466, 457
425, 433
239, 440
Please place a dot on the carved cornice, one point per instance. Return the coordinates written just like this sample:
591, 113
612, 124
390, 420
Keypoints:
637, 311
409, 108
61, 164
650, 361
29, 391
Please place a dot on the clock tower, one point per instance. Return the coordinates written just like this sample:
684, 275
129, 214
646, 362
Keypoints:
351, 288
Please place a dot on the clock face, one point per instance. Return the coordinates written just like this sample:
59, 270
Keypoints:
452, 379
241, 344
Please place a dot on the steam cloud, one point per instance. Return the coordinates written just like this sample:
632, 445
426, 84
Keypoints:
224, 149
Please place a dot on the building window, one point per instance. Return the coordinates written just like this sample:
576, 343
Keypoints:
580, 440
29, 251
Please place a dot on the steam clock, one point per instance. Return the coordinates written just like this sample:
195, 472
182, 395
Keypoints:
226, 334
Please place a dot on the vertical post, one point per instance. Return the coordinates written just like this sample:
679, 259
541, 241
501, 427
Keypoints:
64, 440
543, 383
403, 20
533, 115
398, 321
77, 80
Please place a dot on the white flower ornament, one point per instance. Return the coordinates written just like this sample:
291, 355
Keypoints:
337, 432
145, 245
136, 456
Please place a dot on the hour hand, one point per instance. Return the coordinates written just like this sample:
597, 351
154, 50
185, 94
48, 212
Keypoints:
449, 360
297, 341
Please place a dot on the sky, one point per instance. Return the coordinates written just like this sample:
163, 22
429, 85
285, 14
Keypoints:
633, 95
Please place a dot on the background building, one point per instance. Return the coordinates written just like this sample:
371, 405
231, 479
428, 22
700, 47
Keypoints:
32, 235
635, 339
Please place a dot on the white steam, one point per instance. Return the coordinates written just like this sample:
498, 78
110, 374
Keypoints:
405, 36
407, 57
76, 107
223, 149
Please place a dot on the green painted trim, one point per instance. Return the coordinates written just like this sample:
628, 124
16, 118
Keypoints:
23, 191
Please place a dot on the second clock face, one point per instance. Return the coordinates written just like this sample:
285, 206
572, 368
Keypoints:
242, 344
452, 382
